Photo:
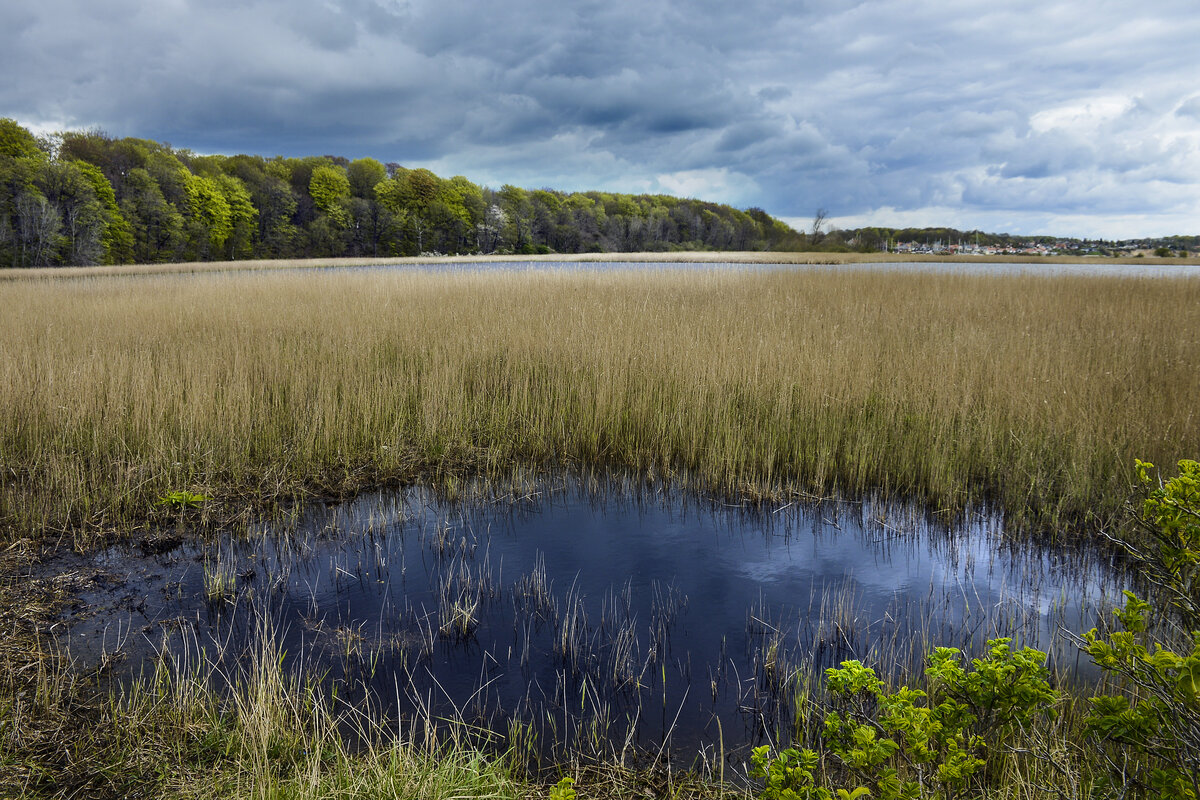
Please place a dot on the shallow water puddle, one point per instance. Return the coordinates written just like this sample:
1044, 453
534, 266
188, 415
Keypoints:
598, 616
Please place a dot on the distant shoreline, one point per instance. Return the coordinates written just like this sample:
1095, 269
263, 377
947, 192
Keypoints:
723, 257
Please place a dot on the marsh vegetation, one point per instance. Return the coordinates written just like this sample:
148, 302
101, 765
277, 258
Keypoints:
1030, 393
150, 411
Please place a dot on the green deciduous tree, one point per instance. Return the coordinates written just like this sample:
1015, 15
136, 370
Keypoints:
374, 226
157, 203
171, 176
363, 175
277, 204
330, 190
16, 181
17, 142
69, 189
117, 238
243, 217
209, 219
518, 210
157, 225
38, 229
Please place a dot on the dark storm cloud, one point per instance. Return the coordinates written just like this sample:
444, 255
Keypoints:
1017, 113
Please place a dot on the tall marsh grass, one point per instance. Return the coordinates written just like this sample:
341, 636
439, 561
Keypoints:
1034, 393
201, 725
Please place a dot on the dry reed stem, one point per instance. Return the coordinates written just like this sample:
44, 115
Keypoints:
1037, 392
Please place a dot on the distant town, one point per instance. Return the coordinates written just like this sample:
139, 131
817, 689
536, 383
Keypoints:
1060, 248
947, 241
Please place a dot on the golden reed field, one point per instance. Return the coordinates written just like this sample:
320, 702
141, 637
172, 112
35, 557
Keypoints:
1032, 393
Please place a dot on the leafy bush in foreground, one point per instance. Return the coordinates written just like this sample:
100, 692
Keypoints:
911, 744
1149, 735
949, 742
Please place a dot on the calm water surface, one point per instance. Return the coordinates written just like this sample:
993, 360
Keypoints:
599, 613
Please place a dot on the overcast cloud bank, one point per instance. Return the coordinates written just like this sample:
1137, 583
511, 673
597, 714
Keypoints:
1027, 117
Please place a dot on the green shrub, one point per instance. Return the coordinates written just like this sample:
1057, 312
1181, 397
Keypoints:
788, 776
563, 790
942, 744
1149, 734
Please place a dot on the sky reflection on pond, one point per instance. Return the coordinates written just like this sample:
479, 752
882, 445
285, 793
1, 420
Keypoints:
599, 605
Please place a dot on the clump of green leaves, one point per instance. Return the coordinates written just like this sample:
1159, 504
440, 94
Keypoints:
789, 776
945, 743
941, 743
1150, 733
182, 499
1170, 522
564, 789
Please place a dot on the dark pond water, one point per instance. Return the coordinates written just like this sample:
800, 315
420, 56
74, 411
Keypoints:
599, 614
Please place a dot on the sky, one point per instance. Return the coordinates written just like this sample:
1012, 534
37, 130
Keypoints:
1022, 116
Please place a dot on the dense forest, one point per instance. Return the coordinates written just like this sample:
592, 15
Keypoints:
87, 198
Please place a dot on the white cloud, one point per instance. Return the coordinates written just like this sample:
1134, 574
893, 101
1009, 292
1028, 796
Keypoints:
1083, 115
995, 113
716, 184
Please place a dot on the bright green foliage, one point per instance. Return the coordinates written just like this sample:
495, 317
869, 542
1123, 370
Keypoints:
325, 206
944, 743
392, 195
1150, 734
243, 217
518, 209
434, 214
117, 237
363, 175
30, 225
563, 790
909, 744
423, 189
330, 189
182, 499
210, 219
789, 776
171, 176
462, 198
1003, 691
16, 142
1170, 518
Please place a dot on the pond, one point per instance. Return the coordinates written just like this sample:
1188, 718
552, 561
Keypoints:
587, 612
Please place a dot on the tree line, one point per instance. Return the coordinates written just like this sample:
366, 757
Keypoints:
83, 197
